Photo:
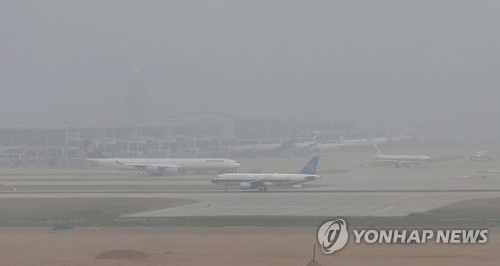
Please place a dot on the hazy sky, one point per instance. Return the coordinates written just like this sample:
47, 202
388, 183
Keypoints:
391, 63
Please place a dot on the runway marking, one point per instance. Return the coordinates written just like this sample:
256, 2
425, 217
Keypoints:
484, 190
381, 210
202, 209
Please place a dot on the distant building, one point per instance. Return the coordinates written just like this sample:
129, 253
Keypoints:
137, 96
188, 134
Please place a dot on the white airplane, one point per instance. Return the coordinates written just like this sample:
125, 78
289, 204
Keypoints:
264, 148
481, 156
161, 166
349, 144
262, 180
405, 137
366, 143
401, 160
303, 146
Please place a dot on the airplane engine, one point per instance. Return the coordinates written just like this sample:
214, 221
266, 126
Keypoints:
246, 185
403, 164
153, 170
169, 171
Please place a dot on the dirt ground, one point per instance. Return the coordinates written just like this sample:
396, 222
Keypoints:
88, 210
219, 246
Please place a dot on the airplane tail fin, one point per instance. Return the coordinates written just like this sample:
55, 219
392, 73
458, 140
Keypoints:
417, 134
314, 138
310, 168
91, 149
289, 141
388, 135
292, 138
377, 150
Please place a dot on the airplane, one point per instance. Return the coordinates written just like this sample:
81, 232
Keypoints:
350, 144
481, 156
261, 181
161, 166
326, 147
264, 148
401, 160
344, 144
303, 146
404, 137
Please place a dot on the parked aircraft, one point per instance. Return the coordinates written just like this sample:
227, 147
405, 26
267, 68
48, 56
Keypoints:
367, 143
303, 147
481, 156
401, 160
261, 181
263, 148
349, 144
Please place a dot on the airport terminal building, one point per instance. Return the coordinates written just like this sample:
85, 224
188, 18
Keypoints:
188, 134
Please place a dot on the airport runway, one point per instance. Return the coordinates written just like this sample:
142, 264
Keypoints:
351, 185
299, 203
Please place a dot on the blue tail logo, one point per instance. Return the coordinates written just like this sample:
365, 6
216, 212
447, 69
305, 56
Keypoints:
310, 168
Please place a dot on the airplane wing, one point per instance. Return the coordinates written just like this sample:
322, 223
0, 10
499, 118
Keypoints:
258, 183
152, 168
389, 160
393, 161
400, 163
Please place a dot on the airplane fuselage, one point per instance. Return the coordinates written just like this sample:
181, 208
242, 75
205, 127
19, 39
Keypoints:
403, 159
181, 164
269, 179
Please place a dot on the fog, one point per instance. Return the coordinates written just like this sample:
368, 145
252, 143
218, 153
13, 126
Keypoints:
381, 64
